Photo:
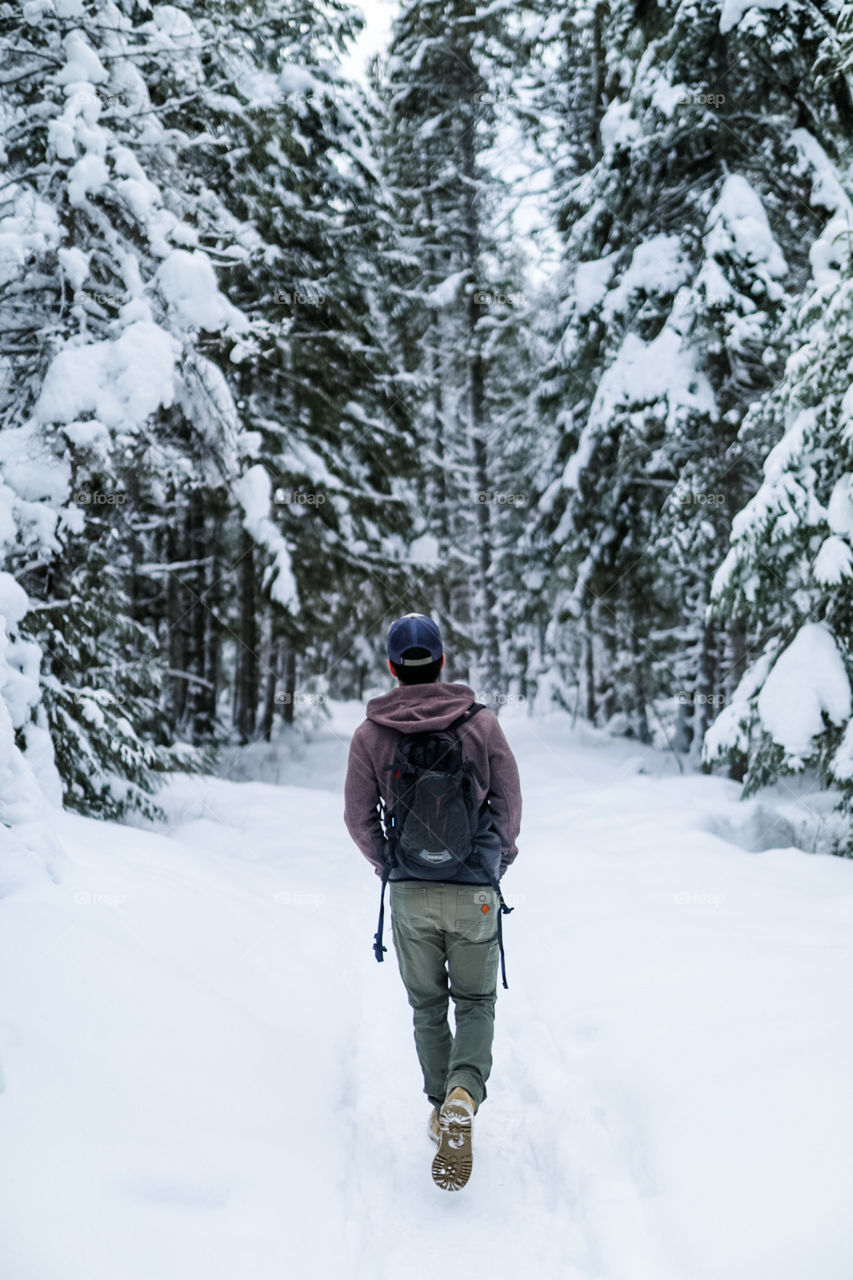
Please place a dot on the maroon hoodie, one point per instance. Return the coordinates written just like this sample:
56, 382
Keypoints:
415, 707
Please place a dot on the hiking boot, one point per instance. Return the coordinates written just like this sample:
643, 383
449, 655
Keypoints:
434, 1130
451, 1167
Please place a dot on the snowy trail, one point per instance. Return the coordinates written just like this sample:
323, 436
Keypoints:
206, 1073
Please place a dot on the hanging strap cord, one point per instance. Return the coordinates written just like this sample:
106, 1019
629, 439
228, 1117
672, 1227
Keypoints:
388, 862
504, 910
378, 948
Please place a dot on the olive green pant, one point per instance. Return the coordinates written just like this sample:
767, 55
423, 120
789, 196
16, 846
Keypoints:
447, 949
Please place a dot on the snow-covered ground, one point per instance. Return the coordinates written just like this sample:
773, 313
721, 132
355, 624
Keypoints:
208, 1075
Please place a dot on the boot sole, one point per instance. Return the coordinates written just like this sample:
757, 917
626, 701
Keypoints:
453, 1161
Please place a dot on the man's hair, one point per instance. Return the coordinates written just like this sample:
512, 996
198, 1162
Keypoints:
426, 674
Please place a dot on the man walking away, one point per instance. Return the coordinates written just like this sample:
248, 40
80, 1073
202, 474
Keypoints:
444, 908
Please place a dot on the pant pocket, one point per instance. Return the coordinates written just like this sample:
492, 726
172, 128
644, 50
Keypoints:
409, 907
476, 912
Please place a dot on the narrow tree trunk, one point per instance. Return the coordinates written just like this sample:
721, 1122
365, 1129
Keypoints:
597, 83
704, 712
213, 642
488, 628
271, 675
606, 693
638, 676
289, 691
438, 265
589, 667
175, 620
246, 680
738, 652
360, 677
199, 616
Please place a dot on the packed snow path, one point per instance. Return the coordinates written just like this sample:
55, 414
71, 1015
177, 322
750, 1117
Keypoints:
207, 1075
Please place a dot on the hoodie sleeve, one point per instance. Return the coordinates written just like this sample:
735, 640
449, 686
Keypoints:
504, 794
361, 800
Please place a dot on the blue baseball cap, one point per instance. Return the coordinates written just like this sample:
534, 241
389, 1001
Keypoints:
414, 631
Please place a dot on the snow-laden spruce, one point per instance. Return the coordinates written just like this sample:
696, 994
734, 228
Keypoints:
110, 285
789, 571
190, 262
462, 320
683, 255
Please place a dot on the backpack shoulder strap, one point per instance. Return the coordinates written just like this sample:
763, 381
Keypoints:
466, 715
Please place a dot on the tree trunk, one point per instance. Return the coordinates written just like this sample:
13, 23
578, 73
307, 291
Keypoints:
738, 652
197, 694
597, 83
683, 735
589, 667
606, 694
272, 671
487, 628
638, 676
289, 692
704, 710
246, 679
213, 639
175, 611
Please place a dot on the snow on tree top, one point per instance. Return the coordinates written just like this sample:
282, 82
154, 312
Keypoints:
254, 493
83, 65
840, 507
739, 223
826, 185
591, 281
31, 227
829, 253
808, 679
734, 10
656, 267
618, 126
834, 561
445, 293
188, 282
117, 382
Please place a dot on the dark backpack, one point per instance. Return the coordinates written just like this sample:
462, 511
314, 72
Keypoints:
432, 814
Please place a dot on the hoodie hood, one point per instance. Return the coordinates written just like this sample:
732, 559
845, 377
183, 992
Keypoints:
414, 708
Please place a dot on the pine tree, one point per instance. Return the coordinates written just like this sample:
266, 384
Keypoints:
106, 391
441, 86
684, 213
789, 572
318, 393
